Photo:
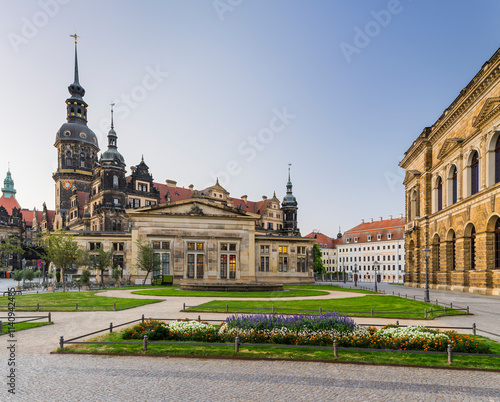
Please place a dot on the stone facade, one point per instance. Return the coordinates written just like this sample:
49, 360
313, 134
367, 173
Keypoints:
452, 185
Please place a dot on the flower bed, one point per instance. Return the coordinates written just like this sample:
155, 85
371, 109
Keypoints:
389, 337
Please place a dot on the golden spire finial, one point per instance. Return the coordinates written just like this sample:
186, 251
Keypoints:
75, 36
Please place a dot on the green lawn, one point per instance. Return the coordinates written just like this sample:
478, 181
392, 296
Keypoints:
333, 288
24, 325
353, 306
65, 301
292, 353
174, 291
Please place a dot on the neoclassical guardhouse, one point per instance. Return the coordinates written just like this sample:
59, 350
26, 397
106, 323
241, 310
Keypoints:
198, 235
452, 192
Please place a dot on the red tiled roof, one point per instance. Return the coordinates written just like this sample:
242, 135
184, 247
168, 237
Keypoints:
322, 239
9, 203
176, 193
383, 227
28, 216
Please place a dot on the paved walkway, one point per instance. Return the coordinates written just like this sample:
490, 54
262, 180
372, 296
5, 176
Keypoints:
45, 377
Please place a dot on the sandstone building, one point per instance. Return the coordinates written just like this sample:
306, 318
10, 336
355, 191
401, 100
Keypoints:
452, 185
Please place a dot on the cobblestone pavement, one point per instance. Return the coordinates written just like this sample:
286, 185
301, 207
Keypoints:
97, 378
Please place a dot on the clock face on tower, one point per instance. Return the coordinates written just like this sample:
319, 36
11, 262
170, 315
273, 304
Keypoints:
66, 184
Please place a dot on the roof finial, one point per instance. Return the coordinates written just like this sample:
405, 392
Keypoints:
9, 166
76, 57
142, 158
289, 171
112, 125
75, 36
217, 182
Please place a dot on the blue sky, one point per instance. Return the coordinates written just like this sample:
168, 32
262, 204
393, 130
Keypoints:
238, 89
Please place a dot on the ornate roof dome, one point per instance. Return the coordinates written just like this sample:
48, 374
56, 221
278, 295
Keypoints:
76, 131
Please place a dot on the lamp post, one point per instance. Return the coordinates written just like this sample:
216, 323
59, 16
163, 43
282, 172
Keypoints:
355, 272
343, 275
426, 253
375, 268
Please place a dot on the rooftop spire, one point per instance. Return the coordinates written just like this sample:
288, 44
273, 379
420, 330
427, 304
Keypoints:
8, 190
112, 125
75, 89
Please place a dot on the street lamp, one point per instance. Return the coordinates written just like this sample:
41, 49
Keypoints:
343, 275
376, 265
426, 253
355, 275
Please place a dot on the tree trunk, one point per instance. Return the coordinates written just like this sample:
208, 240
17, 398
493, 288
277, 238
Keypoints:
146, 277
62, 279
102, 279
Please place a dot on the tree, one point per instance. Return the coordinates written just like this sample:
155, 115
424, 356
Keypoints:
17, 275
85, 277
318, 263
62, 250
28, 275
116, 274
9, 246
103, 260
145, 258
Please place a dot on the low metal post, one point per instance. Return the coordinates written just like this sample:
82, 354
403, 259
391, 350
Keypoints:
184, 306
425, 313
145, 343
432, 312
227, 308
320, 311
406, 295
38, 307
49, 317
76, 306
451, 305
335, 354
371, 312
61, 342
1, 329
237, 344
414, 297
474, 329
143, 318
273, 308
437, 304
450, 353
114, 306
199, 318
110, 327
399, 295
444, 308
467, 309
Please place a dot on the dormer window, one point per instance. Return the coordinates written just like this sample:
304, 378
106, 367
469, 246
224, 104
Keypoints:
369, 237
389, 236
379, 237
355, 240
348, 240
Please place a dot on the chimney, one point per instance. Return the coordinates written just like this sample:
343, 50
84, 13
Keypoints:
371, 220
380, 219
191, 187
400, 216
362, 221
264, 198
390, 217
244, 198
171, 183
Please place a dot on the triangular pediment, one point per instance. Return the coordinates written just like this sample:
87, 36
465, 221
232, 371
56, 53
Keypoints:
194, 208
410, 174
490, 109
448, 145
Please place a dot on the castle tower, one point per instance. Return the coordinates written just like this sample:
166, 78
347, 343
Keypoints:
289, 206
8, 189
77, 149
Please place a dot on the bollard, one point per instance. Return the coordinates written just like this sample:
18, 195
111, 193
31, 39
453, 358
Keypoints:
371, 312
467, 309
199, 318
406, 295
110, 327
425, 313
450, 353
50, 317
437, 304
183, 306
227, 308
393, 292
432, 312
143, 318
1, 329
399, 295
473, 329
114, 306
451, 305
145, 343
38, 307
444, 308
414, 297
76, 306
61, 342
335, 354
237, 344
320, 311
273, 308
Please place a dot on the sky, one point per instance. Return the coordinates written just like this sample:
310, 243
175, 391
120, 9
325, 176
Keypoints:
239, 89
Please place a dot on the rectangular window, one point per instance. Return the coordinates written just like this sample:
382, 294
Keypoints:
94, 246
223, 266
232, 266
270, 225
117, 246
135, 202
190, 267
149, 202
283, 249
228, 256
199, 265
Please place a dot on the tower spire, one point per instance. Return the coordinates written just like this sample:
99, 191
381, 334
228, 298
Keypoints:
112, 124
75, 89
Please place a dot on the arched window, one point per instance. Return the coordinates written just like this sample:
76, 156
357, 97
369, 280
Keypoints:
115, 181
439, 194
454, 185
497, 244
453, 247
474, 174
497, 160
413, 205
473, 248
